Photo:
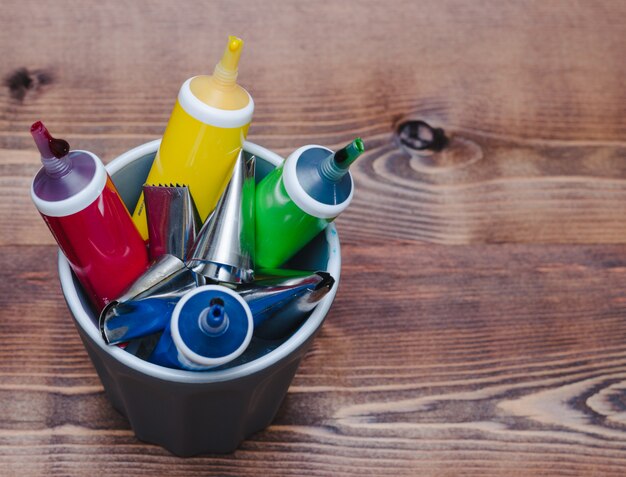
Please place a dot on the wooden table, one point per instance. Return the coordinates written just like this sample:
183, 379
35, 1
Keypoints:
480, 325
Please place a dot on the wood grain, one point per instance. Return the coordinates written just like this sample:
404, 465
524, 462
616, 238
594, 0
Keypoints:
480, 325
536, 107
436, 372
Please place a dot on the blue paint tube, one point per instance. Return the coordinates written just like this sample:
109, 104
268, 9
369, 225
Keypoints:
210, 326
138, 318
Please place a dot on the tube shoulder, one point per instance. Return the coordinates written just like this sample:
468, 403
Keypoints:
298, 182
215, 116
72, 192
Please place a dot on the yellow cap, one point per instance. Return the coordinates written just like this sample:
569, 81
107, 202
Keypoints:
226, 69
221, 90
231, 55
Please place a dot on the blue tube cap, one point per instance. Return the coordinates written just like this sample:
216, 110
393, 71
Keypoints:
211, 326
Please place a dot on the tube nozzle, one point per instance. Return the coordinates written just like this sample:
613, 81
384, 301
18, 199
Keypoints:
53, 151
213, 319
226, 70
336, 165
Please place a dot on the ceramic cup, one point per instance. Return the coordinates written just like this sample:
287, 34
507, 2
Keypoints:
189, 412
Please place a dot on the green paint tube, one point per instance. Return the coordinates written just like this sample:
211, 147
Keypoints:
298, 200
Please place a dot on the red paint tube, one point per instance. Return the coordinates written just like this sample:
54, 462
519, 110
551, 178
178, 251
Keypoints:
88, 219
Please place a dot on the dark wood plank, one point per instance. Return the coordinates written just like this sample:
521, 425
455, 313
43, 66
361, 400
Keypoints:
530, 93
473, 360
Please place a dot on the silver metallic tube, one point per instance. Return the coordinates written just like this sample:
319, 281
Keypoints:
224, 249
173, 221
279, 304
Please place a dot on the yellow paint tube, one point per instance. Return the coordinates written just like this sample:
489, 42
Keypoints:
203, 136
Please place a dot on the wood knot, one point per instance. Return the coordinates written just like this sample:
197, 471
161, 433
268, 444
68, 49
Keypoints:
420, 136
21, 81
432, 150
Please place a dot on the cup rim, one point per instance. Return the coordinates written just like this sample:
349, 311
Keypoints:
306, 330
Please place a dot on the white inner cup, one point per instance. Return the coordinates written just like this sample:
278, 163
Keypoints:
85, 318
